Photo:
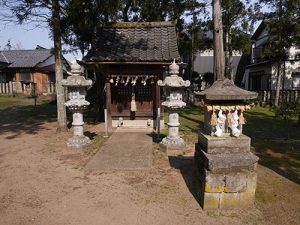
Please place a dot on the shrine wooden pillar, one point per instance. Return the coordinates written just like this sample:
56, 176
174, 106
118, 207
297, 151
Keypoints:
108, 104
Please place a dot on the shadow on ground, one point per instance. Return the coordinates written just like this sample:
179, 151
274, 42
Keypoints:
272, 145
29, 119
186, 166
156, 138
25, 119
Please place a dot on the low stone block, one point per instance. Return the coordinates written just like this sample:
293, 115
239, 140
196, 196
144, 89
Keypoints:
215, 162
236, 200
229, 200
226, 144
247, 199
236, 182
210, 201
214, 182
251, 182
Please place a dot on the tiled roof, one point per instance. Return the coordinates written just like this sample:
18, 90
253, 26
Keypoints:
25, 58
2, 58
135, 42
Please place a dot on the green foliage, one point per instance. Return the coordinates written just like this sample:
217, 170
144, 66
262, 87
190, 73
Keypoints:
288, 110
283, 25
82, 17
238, 17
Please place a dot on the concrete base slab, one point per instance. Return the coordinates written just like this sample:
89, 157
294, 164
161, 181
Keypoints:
126, 149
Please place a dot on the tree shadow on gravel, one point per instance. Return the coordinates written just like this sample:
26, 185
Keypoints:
268, 137
186, 166
28, 119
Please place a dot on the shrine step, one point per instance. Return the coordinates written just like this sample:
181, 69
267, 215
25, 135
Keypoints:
137, 123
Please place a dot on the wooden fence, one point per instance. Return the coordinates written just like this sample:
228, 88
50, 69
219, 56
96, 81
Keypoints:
6, 88
268, 97
21, 88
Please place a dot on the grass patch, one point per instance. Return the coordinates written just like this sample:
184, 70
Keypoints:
45, 110
268, 135
7, 101
191, 120
97, 143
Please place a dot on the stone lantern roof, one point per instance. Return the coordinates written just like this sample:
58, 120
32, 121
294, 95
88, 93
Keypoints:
76, 80
226, 90
174, 81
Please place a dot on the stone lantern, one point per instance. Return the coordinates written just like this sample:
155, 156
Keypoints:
174, 86
225, 164
77, 85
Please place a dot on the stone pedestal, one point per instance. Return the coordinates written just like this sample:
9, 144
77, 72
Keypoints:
78, 140
227, 171
173, 140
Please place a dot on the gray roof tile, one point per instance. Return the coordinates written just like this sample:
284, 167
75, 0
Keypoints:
25, 58
135, 42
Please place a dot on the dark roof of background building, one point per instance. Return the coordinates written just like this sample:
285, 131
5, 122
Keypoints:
25, 58
258, 31
135, 42
2, 58
205, 64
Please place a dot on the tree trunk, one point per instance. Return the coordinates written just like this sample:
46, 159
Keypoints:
231, 73
227, 64
228, 57
218, 41
278, 81
60, 95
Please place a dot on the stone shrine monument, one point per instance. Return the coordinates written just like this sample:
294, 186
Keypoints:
226, 166
77, 85
174, 88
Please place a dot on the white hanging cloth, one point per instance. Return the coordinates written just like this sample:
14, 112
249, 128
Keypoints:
133, 104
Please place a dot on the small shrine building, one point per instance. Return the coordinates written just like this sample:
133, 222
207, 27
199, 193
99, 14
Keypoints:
128, 59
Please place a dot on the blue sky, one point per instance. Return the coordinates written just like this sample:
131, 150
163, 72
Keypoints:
26, 37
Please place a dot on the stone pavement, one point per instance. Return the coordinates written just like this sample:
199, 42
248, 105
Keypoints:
126, 149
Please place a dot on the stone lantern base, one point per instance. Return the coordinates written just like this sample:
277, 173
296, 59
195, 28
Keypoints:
78, 141
173, 147
227, 171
